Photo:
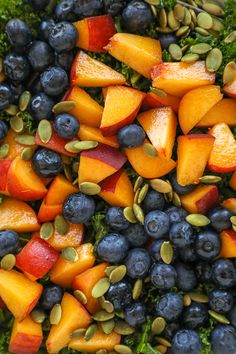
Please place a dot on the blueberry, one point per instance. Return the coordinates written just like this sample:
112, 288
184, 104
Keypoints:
39, 4
115, 219
203, 271
163, 276
153, 201
138, 263
64, 11
64, 60
6, 96
186, 277
188, 254
114, 7
156, 224
186, 341
135, 315
63, 37
52, 295
170, 330
181, 234
78, 208
54, 81
154, 250
176, 214
220, 219
16, 67
113, 248
224, 273
3, 130
40, 56
131, 135
136, 16
41, 106
87, 8
136, 235
232, 316
181, 190
120, 295
66, 125
170, 306
223, 339
9, 242
16, 89
207, 245
35, 87
45, 28
166, 39
195, 315
47, 163
18, 33
221, 301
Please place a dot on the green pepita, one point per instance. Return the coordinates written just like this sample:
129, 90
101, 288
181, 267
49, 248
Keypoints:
102, 316
63, 107
172, 21
17, 124
143, 193
67, 172
158, 92
182, 31
149, 150
200, 48
108, 326
154, 10
190, 58
107, 306
175, 51
109, 269
176, 200
123, 328
85, 145
129, 215
229, 72
179, 12
213, 9
164, 30
27, 153
218, 317
193, 16
78, 333
161, 349
38, 316
210, 179
161, 186
214, 60
136, 195
117, 274
138, 212
101, 351
24, 100
138, 183
218, 25
164, 342
199, 297
166, 252
158, 325
204, 20
70, 254
100, 288
46, 231
70, 147
163, 18
12, 110
81, 297
89, 188
122, 349
153, 2
25, 139
8, 262
45, 131
187, 300
61, 225
202, 31
231, 37
187, 17
55, 314
197, 220
137, 289
90, 332
4, 149
233, 220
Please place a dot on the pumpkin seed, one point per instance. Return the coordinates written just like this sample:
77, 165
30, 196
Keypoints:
75, 166
219, 318
100, 288
129, 215
166, 252
102, 316
217, 25
158, 325
90, 332
108, 326
164, 342
161, 348
192, 26
38, 316
67, 172
25, 139
149, 150
108, 270
172, 21
118, 274
154, 10
12, 110
187, 17
197, 220
233, 220
213, 9
17, 124
122, 349
175, 51
101, 351
70, 147
187, 300
45, 131
122, 327
229, 72
85, 145
138, 183
75, 181
46, 231
138, 212
107, 306
190, 58
60, 224
193, 16
200, 48
8, 262
214, 60
120, 314
137, 289
210, 179
89, 188
24, 100
136, 195
63, 107
70, 254
78, 333
185, 47
176, 200
179, 12
182, 31
55, 314
202, 31
81, 297
199, 297
204, 20
231, 37
163, 18
169, 194
161, 186
4, 149
143, 193
158, 92
27, 153
164, 30
153, 2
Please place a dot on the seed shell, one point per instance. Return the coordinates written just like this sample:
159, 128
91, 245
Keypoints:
122, 349
138, 212
198, 297
233, 220
166, 252
172, 20
218, 25
27, 153
231, 37
190, 58
46, 231
202, 31
108, 326
182, 31
158, 325
81, 297
24, 100
154, 10
25, 139
90, 332
38, 316
204, 20
117, 274
12, 110
149, 150
197, 220
45, 131
63, 107
219, 318
122, 327
143, 193
102, 315
163, 18
136, 195
85, 145
201, 48
161, 186
17, 124
213, 9
55, 314
70, 147
214, 60
78, 333
89, 188
61, 225
138, 183
210, 179
70, 254
8, 262
129, 215
187, 17
175, 51
164, 342
179, 12
137, 289
100, 288
4, 150
109, 269
229, 72
107, 306
176, 200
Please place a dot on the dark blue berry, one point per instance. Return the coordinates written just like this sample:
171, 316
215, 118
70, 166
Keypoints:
47, 163
18, 33
115, 219
203, 271
114, 7
6, 96
186, 277
224, 273
9, 242
176, 214
138, 263
113, 248
153, 201
181, 234
78, 208
17, 89
3, 130
136, 16
223, 339
188, 254
135, 315
131, 135
64, 11
181, 190
232, 316
220, 219
16, 67
221, 301
64, 60
41, 106
195, 315
35, 87
186, 341
156, 224
54, 81
163, 276
52, 295
154, 250
207, 245
166, 39
66, 125
45, 28
136, 235
87, 8
63, 37
40, 56
39, 4
170, 306
170, 330
120, 295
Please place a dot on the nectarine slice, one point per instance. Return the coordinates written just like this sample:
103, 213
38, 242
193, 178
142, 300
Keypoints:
59, 190
4, 168
15, 149
193, 153
179, 78
230, 204
18, 216
138, 52
151, 100
230, 89
223, 111
232, 181
48, 212
90, 72
223, 156
95, 134
228, 244
64, 271
74, 316
73, 237
19, 293
201, 200
160, 126
193, 107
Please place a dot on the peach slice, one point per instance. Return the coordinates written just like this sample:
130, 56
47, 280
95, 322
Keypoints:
201, 200
59, 191
130, 101
228, 244
19, 293
87, 110
230, 89
74, 316
4, 168
230, 204
73, 237
90, 72
193, 153
91, 133
223, 156
15, 149
151, 100
138, 52
179, 78
48, 212
94, 32
160, 126
223, 111
18, 216
117, 190
232, 181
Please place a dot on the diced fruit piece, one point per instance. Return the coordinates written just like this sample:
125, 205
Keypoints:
148, 166
129, 100
138, 52
26, 337
223, 111
228, 244
223, 156
97, 342
86, 281
232, 181
152, 100
59, 190
95, 134
94, 32
64, 271
193, 153
18, 216
15, 149
230, 89
48, 212
179, 78
160, 126
4, 168
117, 190
102, 161
19, 293
37, 257
74, 316
73, 237
230, 204
201, 200
90, 72
87, 110
193, 107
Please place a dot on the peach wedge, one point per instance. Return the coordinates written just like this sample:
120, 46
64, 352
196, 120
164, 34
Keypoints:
223, 111
201, 200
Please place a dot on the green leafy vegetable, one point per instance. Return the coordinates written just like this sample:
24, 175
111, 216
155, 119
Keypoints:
169, 4
205, 334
